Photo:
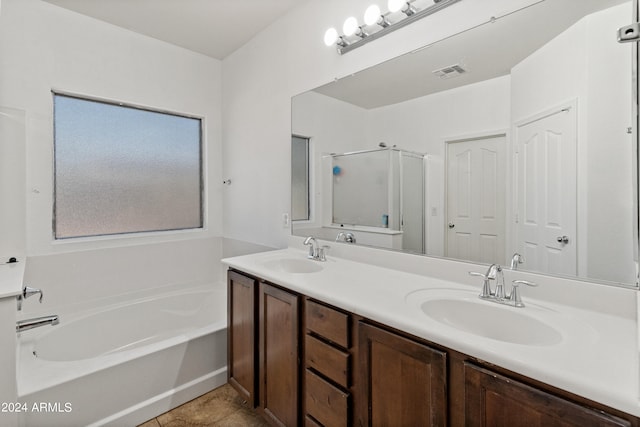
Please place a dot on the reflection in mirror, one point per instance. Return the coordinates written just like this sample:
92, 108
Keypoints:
382, 190
299, 178
521, 135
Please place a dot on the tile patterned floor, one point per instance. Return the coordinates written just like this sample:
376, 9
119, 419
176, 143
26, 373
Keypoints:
221, 407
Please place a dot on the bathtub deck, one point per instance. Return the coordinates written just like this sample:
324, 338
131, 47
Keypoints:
220, 407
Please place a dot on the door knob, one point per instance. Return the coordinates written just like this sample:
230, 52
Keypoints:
451, 225
562, 239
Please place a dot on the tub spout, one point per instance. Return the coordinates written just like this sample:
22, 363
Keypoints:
36, 322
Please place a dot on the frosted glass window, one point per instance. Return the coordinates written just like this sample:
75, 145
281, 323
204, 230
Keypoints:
299, 178
120, 169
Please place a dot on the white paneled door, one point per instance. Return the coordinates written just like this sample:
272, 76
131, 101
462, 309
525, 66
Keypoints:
475, 199
546, 192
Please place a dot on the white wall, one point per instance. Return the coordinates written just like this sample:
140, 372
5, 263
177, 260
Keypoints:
80, 280
12, 182
45, 47
288, 58
610, 166
605, 164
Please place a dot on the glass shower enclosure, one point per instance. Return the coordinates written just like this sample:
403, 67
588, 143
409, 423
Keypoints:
383, 188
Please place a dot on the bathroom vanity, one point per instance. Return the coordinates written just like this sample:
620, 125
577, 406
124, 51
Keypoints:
412, 344
304, 350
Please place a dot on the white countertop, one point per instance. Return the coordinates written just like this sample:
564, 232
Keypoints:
596, 358
11, 275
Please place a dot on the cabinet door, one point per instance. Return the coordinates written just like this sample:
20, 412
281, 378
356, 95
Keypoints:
241, 346
279, 360
402, 382
492, 400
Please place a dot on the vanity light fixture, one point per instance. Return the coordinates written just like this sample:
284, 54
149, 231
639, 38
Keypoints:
376, 24
331, 37
401, 5
373, 16
350, 26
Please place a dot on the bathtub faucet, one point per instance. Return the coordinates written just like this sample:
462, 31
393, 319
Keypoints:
36, 322
28, 291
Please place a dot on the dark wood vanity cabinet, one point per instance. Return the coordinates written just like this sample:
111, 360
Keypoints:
278, 368
494, 400
402, 382
242, 315
303, 362
264, 347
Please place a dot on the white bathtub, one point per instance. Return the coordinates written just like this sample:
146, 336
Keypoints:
125, 363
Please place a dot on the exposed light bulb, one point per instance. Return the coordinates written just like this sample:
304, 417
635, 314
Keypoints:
377, 24
395, 5
330, 36
350, 26
372, 14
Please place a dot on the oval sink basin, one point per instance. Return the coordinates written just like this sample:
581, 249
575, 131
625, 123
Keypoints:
294, 265
491, 320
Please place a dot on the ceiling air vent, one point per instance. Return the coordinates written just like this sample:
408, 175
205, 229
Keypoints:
450, 71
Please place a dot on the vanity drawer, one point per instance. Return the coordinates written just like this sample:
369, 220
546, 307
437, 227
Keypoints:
327, 322
326, 403
328, 360
310, 422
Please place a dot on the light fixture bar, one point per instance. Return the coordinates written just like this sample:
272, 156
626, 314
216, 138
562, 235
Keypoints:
439, 5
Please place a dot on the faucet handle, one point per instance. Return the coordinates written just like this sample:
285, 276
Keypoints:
515, 292
28, 291
475, 273
524, 282
486, 285
322, 252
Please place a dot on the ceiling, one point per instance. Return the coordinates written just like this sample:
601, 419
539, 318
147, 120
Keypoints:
212, 27
488, 51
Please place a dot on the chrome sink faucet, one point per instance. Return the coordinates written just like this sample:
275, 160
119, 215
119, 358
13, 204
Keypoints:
345, 237
515, 260
316, 252
494, 272
313, 247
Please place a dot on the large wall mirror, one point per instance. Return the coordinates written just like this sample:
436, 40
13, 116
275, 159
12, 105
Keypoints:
516, 136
